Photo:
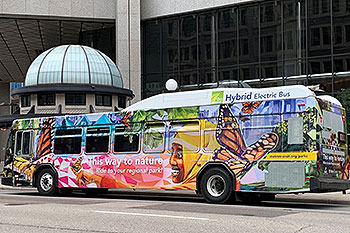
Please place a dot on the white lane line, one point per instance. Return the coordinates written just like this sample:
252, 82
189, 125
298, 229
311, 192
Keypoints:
154, 215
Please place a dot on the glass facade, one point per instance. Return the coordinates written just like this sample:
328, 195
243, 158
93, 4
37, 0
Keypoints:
262, 44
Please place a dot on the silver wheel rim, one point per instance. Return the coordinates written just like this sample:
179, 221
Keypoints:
216, 185
46, 182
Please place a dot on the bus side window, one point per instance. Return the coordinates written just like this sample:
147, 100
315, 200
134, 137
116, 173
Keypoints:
126, 141
295, 130
18, 142
209, 136
186, 134
68, 141
154, 135
26, 143
256, 125
23, 143
97, 140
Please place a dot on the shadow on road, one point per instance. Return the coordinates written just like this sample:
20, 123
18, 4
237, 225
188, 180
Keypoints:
172, 197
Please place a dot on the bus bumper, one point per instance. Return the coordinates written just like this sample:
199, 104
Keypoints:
7, 181
10, 181
319, 185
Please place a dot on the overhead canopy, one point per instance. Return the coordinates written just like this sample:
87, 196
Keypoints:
23, 39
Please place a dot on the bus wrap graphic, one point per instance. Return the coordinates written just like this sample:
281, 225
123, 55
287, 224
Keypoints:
217, 97
168, 148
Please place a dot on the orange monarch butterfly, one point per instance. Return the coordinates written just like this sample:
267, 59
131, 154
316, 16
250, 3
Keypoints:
233, 150
45, 140
249, 107
228, 133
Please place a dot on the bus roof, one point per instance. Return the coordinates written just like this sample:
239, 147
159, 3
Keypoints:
330, 99
220, 96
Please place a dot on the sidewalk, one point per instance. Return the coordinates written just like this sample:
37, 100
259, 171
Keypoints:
322, 198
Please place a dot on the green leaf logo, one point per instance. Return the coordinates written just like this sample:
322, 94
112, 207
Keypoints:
217, 97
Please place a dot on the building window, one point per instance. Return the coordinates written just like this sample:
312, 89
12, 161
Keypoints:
46, 99
315, 36
103, 100
25, 100
75, 99
325, 6
347, 33
326, 33
121, 101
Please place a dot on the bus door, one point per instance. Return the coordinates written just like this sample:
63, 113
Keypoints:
24, 144
334, 153
9, 148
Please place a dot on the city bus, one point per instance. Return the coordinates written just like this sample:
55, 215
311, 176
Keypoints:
224, 143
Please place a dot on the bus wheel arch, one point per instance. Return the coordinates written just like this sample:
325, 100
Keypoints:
217, 183
45, 180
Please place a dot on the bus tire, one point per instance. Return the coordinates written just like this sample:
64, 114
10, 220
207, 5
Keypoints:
46, 182
217, 185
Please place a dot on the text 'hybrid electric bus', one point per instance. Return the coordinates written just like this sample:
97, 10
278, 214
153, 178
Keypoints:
220, 142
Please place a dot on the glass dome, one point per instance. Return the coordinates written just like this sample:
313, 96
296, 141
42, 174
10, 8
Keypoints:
73, 64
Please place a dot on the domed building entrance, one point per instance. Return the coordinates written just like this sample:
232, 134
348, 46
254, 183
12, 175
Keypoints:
68, 79
72, 79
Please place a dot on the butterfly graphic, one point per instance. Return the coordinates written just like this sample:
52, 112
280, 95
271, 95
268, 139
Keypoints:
126, 119
234, 151
249, 107
45, 140
228, 132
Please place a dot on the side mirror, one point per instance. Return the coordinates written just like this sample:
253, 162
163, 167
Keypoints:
9, 151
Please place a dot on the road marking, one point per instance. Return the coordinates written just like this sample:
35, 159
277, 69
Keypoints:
154, 215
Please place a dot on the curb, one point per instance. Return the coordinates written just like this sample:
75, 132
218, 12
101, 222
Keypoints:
5, 187
321, 198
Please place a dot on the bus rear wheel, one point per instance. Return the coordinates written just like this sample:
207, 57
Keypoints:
217, 185
46, 182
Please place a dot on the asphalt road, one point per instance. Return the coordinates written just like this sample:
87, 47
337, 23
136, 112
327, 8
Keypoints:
26, 211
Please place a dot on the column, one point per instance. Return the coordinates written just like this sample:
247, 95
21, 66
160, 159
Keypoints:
128, 45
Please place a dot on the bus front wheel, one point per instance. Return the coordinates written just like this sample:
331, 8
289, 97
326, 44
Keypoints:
46, 182
217, 185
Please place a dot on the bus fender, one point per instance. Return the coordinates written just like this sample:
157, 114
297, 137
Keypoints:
206, 167
39, 168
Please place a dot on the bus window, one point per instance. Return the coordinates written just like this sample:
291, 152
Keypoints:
67, 141
186, 134
209, 135
154, 138
295, 130
26, 143
10, 148
23, 143
256, 125
18, 143
97, 140
125, 141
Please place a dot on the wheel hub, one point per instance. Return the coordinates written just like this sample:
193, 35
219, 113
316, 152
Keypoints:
216, 185
46, 182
